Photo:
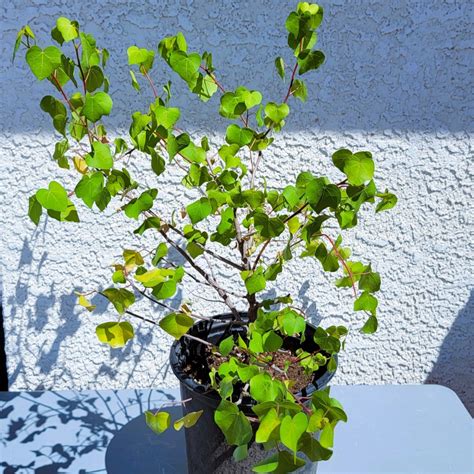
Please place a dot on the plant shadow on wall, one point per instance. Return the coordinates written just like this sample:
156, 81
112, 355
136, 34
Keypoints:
51, 432
454, 366
64, 304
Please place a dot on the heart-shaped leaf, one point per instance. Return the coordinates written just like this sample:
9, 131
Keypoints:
291, 430
166, 116
89, 188
114, 334
276, 113
239, 136
97, 105
54, 198
176, 324
43, 62
187, 66
67, 28
159, 421
101, 157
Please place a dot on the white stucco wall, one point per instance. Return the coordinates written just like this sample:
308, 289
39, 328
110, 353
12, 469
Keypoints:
398, 82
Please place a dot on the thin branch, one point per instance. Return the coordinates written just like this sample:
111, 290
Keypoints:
210, 252
221, 292
344, 264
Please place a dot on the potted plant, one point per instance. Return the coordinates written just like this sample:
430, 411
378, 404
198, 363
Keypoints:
257, 374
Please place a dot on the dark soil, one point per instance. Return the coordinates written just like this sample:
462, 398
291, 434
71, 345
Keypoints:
296, 373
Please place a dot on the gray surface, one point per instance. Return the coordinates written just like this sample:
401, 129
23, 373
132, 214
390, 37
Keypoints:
401, 429
391, 429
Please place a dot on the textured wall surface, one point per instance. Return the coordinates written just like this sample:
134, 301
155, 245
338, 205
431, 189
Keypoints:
397, 81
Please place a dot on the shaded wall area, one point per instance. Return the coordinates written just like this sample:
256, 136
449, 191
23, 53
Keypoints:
454, 366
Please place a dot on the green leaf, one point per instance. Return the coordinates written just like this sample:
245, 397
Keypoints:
205, 87
141, 56
141, 204
43, 62
358, 167
326, 438
313, 449
268, 227
159, 421
326, 342
366, 302
239, 136
132, 258
97, 105
135, 83
291, 430
369, 281
165, 290
67, 28
233, 104
288, 463
329, 260
101, 156
188, 420
149, 223
310, 60
226, 346
292, 323
263, 388
176, 324
54, 198
387, 202
25, 31
114, 334
56, 110
269, 464
330, 195
240, 453
94, 78
370, 325
272, 341
89, 188
299, 90
69, 214
268, 424
199, 210
152, 277
276, 113
120, 298
34, 209
254, 280
166, 116
233, 423
60, 148
158, 164
186, 66
280, 67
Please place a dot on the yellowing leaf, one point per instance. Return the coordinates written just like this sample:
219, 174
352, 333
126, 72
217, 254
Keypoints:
158, 422
188, 420
83, 301
114, 334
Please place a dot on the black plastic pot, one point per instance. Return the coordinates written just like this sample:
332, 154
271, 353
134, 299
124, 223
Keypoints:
207, 450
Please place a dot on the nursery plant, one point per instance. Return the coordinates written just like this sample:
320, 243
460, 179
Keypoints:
258, 372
